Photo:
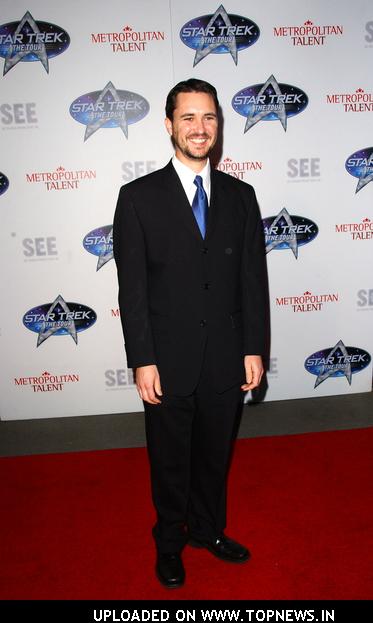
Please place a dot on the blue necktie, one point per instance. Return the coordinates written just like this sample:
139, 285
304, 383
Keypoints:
199, 205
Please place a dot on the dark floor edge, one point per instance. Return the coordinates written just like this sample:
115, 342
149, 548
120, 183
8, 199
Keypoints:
126, 430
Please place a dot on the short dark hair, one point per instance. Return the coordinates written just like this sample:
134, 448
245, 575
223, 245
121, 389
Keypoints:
193, 85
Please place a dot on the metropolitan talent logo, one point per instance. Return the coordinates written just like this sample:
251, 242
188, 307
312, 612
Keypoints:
109, 108
128, 39
46, 382
4, 183
360, 165
288, 232
337, 361
308, 34
220, 33
271, 101
99, 242
239, 169
306, 302
59, 318
358, 231
29, 40
61, 178
359, 101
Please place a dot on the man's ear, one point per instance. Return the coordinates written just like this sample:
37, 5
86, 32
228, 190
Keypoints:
168, 124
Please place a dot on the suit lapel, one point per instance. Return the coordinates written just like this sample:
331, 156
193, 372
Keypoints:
178, 201
217, 201
181, 208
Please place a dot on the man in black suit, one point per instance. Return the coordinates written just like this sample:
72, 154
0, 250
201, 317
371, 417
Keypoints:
190, 256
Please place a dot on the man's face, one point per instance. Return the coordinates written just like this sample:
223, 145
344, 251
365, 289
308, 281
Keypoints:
194, 126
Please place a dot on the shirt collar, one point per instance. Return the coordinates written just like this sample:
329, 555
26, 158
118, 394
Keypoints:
187, 175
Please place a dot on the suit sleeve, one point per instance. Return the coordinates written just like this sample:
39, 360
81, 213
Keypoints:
130, 257
254, 282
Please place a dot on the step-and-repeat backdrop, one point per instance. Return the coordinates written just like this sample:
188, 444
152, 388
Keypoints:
82, 97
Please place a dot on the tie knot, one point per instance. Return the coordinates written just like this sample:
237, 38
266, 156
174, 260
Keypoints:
198, 181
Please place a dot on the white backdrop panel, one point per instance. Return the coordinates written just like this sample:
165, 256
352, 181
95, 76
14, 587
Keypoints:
302, 170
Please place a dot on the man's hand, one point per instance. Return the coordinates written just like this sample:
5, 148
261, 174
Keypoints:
254, 371
148, 384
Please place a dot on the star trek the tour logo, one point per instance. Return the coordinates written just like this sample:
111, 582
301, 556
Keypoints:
109, 108
360, 165
46, 382
337, 361
128, 39
221, 33
288, 232
29, 40
359, 101
4, 183
358, 231
271, 101
59, 318
61, 178
239, 169
306, 302
308, 34
99, 242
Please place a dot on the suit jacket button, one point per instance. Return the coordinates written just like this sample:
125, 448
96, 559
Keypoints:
203, 323
206, 286
205, 250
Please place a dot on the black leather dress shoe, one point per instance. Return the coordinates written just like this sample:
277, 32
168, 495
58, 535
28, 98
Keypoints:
223, 548
170, 570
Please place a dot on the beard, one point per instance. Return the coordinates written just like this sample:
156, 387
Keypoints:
199, 154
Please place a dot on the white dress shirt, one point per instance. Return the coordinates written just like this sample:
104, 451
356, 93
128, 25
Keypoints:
187, 177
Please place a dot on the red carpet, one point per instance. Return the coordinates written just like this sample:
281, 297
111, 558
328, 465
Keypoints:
77, 525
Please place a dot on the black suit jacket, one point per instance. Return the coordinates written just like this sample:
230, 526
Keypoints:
176, 289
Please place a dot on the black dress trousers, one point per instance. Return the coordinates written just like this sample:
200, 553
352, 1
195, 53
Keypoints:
189, 440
